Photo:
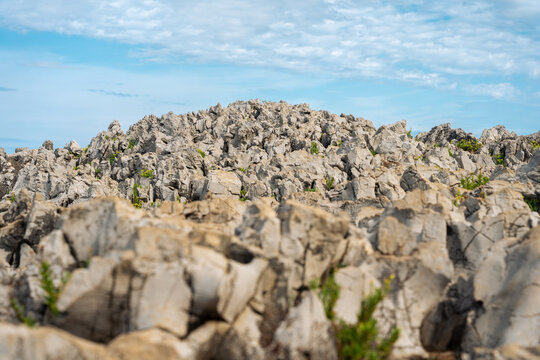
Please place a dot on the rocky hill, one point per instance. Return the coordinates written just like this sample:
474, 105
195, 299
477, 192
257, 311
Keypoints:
207, 235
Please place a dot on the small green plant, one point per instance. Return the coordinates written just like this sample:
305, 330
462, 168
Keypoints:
450, 153
409, 134
471, 183
12, 197
178, 198
112, 157
96, 172
534, 144
314, 148
115, 138
147, 173
51, 291
373, 153
472, 145
534, 203
329, 294
339, 142
137, 202
131, 144
19, 311
458, 199
361, 340
313, 189
107, 137
499, 159
243, 194
202, 153
329, 183
242, 169
436, 145
75, 168
85, 150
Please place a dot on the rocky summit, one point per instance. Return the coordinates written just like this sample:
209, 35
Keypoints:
215, 235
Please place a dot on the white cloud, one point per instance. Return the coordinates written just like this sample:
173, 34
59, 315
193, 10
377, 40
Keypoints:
413, 40
498, 91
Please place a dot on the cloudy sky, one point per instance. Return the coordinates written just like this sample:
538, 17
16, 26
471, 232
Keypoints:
68, 68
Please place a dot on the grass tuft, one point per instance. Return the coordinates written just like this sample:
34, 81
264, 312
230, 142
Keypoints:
314, 148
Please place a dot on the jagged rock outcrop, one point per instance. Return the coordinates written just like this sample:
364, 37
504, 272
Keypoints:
244, 208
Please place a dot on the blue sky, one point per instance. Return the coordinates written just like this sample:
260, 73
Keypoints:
68, 68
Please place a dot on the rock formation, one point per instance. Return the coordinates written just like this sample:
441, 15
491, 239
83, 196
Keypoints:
199, 236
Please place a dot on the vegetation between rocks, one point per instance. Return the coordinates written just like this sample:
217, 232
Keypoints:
329, 183
147, 173
499, 159
52, 292
20, 312
534, 203
471, 182
243, 194
137, 202
472, 145
314, 148
361, 340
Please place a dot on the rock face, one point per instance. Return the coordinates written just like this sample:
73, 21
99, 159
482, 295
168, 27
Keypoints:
244, 208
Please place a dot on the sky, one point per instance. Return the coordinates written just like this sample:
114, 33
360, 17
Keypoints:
69, 68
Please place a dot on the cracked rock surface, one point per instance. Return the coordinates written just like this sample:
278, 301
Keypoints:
199, 236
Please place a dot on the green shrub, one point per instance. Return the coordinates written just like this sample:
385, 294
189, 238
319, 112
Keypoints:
137, 202
313, 189
147, 173
202, 153
242, 169
96, 172
339, 142
450, 153
409, 135
51, 291
499, 159
314, 148
361, 340
107, 137
458, 198
534, 203
372, 152
131, 144
535, 145
469, 145
19, 311
12, 197
243, 194
471, 183
75, 168
113, 157
329, 183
